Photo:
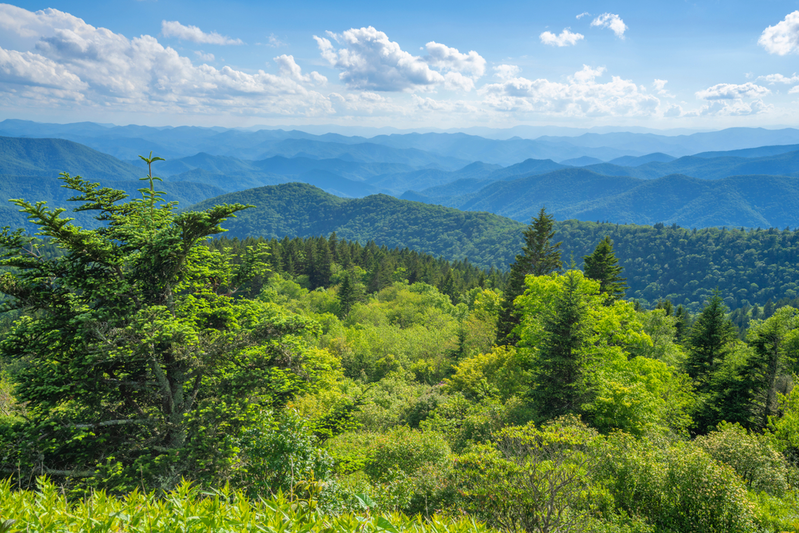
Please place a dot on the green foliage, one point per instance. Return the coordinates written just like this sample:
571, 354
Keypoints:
498, 373
133, 353
603, 266
187, 508
576, 345
415, 462
752, 456
539, 257
532, 479
279, 455
675, 486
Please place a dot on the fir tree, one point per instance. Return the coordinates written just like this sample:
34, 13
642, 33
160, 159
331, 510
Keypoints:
558, 385
346, 296
709, 341
603, 266
539, 257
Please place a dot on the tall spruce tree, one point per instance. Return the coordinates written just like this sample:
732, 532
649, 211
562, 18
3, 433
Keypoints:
603, 266
559, 384
539, 257
709, 342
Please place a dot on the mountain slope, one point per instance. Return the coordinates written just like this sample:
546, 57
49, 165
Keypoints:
50, 157
297, 209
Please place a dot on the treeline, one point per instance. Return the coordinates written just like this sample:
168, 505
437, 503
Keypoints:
749, 266
319, 262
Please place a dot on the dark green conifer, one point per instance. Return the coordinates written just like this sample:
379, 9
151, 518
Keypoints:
603, 267
539, 257
558, 384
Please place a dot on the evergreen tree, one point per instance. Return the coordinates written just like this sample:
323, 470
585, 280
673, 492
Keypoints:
558, 385
709, 341
133, 350
539, 257
346, 296
603, 266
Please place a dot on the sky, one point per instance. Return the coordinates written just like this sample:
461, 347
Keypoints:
407, 64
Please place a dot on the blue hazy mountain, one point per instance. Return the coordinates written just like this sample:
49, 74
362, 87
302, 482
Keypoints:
126, 142
578, 193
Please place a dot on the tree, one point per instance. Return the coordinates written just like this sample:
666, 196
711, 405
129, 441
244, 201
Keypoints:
603, 266
134, 357
709, 341
346, 295
539, 257
559, 384
776, 343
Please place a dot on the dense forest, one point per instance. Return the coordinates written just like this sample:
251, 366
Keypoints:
749, 266
156, 379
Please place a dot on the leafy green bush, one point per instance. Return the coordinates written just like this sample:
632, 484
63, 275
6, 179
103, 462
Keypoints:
753, 457
675, 486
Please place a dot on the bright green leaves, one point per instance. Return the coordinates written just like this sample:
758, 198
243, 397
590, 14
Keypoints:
576, 344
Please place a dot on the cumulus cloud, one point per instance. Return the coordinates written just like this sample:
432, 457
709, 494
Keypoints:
193, 33
730, 108
580, 96
72, 59
730, 91
771, 79
203, 56
728, 99
614, 22
583, 14
506, 72
566, 38
368, 60
783, 37
290, 69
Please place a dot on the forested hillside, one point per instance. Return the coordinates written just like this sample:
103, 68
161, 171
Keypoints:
684, 265
303, 384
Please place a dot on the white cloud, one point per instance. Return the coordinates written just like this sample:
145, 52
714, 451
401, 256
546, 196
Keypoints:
194, 34
730, 108
771, 79
614, 22
730, 91
783, 37
660, 88
583, 14
580, 96
71, 59
203, 56
672, 111
368, 60
794, 90
506, 72
727, 99
290, 69
566, 38
450, 59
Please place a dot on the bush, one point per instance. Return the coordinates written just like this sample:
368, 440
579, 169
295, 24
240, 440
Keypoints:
676, 486
753, 457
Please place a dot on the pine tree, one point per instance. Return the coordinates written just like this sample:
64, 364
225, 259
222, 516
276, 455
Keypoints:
539, 257
603, 266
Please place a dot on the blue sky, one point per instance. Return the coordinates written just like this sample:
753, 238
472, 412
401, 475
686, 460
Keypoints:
409, 64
